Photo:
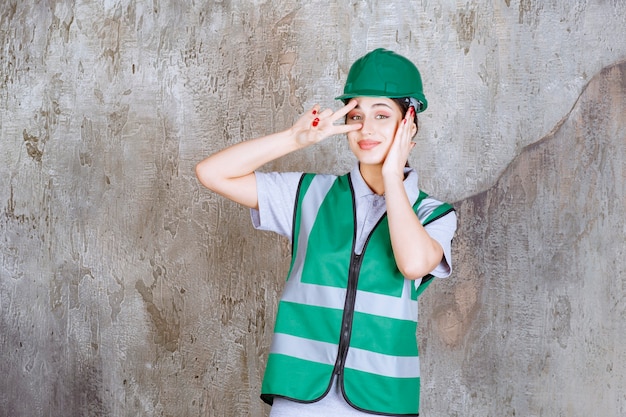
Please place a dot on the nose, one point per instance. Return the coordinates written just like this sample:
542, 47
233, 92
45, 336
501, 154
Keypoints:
367, 128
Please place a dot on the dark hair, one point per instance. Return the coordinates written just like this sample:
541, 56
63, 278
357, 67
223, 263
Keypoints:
404, 103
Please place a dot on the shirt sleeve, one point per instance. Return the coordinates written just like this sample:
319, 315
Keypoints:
276, 193
442, 230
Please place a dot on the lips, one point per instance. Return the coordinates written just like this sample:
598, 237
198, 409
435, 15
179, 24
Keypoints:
367, 144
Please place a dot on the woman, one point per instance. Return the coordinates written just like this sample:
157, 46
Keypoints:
365, 245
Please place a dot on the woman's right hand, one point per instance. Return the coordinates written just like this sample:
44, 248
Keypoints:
230, 172
315, 126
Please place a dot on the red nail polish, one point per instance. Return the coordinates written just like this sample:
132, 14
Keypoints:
404, 121
314, 112
316, 121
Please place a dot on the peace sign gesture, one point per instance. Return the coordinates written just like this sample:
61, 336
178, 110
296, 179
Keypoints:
315, 126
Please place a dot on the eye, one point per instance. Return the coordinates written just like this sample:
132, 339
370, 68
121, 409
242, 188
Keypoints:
382, 116
354, 117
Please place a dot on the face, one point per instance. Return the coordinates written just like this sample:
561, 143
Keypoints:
380, 117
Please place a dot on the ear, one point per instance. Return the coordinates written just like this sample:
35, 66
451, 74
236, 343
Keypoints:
413, 130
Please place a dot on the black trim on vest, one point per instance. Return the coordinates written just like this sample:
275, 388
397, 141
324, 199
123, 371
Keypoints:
295, 209
445, 213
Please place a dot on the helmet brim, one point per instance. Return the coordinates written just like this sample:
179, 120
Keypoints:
423, 104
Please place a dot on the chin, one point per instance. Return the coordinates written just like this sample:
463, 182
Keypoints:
368, 157
370, 161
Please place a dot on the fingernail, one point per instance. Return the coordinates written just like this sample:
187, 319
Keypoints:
314, 112
404, 121
316, 121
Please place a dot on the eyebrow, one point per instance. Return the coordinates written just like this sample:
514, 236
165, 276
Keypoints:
358, 106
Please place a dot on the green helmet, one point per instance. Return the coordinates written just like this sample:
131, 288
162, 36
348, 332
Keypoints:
383, 73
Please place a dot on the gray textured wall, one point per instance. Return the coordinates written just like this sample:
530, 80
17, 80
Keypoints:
128, 290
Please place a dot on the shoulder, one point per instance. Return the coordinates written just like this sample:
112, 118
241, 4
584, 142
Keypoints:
318, 181
314, 189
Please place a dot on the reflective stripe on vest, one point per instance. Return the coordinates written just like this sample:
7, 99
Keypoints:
359, 359
380, 371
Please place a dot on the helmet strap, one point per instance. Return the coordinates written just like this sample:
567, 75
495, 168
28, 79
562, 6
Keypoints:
416, 104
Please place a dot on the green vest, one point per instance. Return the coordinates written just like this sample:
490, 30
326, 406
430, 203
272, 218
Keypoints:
353, 316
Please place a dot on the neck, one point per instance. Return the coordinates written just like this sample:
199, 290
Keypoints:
373, 177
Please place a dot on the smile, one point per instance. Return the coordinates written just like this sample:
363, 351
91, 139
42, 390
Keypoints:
367, 144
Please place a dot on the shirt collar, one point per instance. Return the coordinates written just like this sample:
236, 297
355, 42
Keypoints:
361, 189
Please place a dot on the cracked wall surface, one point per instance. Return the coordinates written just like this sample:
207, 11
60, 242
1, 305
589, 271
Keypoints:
128, 289
539, 330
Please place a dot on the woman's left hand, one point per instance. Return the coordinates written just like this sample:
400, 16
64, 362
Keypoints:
399, 151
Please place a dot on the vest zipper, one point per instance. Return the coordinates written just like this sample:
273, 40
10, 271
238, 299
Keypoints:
348, 308
348, 313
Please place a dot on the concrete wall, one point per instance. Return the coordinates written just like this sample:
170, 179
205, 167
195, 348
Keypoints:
126, 289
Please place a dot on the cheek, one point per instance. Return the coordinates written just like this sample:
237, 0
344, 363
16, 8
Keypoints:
351, 136
392, 129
